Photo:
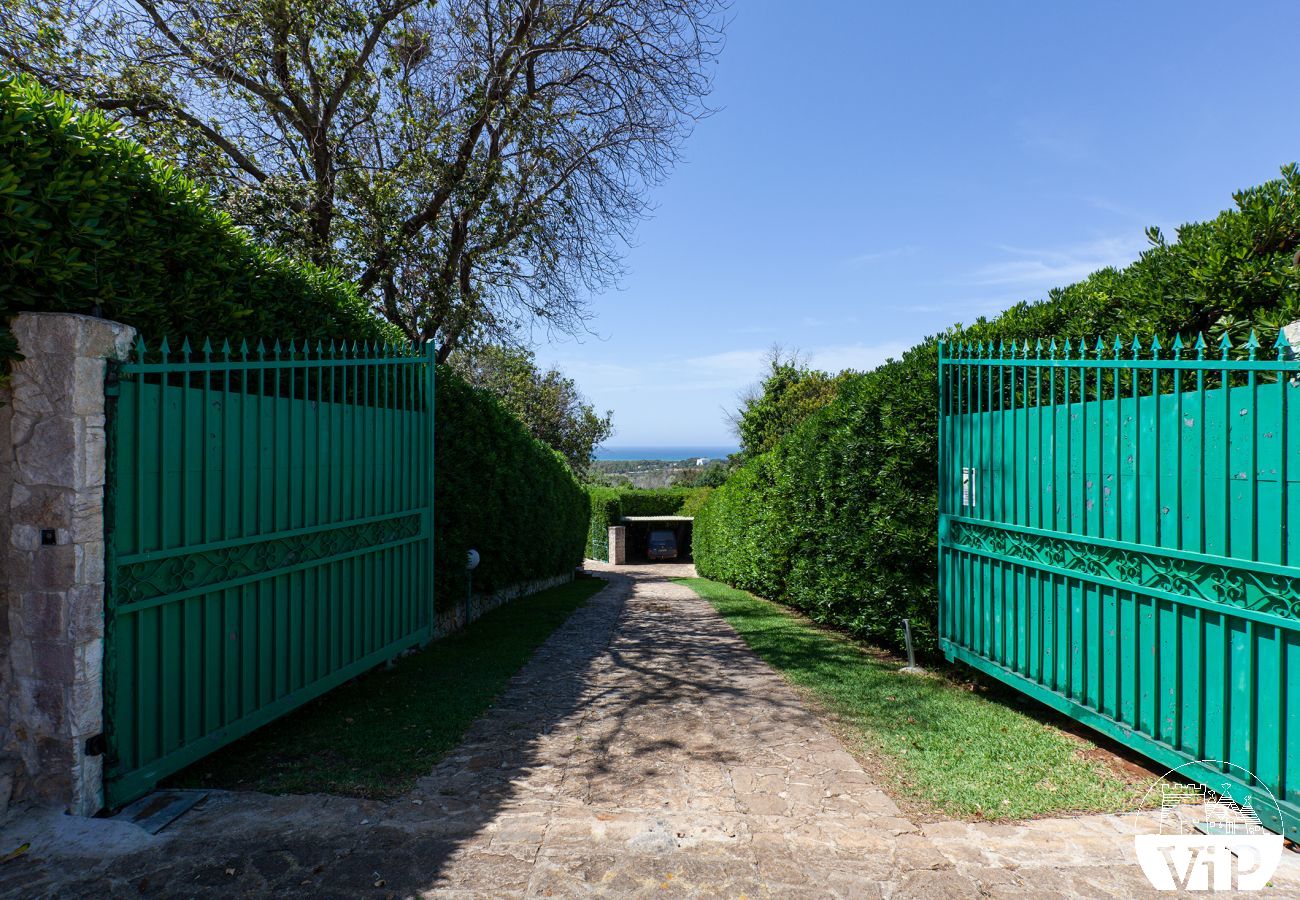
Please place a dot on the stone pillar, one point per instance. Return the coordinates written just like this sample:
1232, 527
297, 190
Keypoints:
617, 545
54, 449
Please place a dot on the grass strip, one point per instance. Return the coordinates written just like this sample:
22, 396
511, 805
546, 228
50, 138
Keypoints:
959, 751
373, 737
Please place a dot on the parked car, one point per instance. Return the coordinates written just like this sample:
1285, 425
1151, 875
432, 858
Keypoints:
662, 545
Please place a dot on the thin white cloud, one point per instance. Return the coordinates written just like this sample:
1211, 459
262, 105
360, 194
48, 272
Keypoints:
1047, 268
725, 373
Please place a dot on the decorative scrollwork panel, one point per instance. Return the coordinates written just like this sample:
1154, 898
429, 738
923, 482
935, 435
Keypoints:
1236, 586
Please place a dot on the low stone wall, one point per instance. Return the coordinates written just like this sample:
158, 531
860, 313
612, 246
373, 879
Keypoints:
455, 618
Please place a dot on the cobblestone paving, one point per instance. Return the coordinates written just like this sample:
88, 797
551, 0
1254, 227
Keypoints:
643, 751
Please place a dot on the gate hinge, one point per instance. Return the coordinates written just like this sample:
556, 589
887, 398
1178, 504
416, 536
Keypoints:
112, 379
97, 745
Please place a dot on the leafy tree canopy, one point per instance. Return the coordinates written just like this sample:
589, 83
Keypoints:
473, 167
790, 393
549, 404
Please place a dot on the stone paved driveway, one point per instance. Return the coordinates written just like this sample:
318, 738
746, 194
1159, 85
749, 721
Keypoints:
643, 751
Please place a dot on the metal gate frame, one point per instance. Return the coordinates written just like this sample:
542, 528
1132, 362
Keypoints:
269, 535
1115, 541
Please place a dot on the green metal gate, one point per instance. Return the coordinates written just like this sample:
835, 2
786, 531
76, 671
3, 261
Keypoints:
1116, 540
270, 537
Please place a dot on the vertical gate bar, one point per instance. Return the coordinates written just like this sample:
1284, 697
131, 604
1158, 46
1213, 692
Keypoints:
164, 434
1054, 494
1225, 346
362, 402
968, 438
1158, 443
151, 619
1117, 493
1069, 444
347, 488
1252, 520
997, 451
1139, 427
259, 460
1099, 482
293, 448
1203, 430
1284, 775
429, 468
333, 501
1252, 473
943, 497
403, 475
390, 436
1283, 349
1038, 416
173, 618
138, 384
1094, 609
1178, 443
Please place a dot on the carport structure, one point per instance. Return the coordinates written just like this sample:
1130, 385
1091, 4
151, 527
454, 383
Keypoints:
637, 535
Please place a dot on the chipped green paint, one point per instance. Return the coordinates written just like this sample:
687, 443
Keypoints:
1115, 541
270, 537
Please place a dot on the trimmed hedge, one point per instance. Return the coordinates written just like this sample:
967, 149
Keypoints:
500, 491
91, 223
608, 505
839, 518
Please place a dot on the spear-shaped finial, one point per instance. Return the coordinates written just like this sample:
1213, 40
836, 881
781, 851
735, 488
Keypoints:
1252, 344
1282, 345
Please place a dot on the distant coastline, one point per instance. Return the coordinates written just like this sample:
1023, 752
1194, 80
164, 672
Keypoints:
671, 453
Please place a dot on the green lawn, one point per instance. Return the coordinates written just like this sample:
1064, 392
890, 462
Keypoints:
375, 736
941, 742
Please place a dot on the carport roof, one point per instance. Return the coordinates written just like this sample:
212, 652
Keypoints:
658, 518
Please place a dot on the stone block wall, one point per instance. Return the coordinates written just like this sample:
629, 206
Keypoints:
53, 452
471, 607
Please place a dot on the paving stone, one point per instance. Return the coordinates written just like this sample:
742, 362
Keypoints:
643, 752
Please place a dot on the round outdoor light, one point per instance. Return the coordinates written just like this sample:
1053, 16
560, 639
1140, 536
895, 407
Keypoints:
471, 560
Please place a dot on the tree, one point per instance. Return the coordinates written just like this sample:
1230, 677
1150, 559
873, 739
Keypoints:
548, 403
790, 393
475, 166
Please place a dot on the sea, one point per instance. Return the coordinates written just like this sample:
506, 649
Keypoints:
683, 451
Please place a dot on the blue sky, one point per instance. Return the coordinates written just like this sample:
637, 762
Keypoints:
878, 171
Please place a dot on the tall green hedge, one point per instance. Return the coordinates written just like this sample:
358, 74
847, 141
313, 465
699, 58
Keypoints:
91, 223
839, 519
500, 491
608, 505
